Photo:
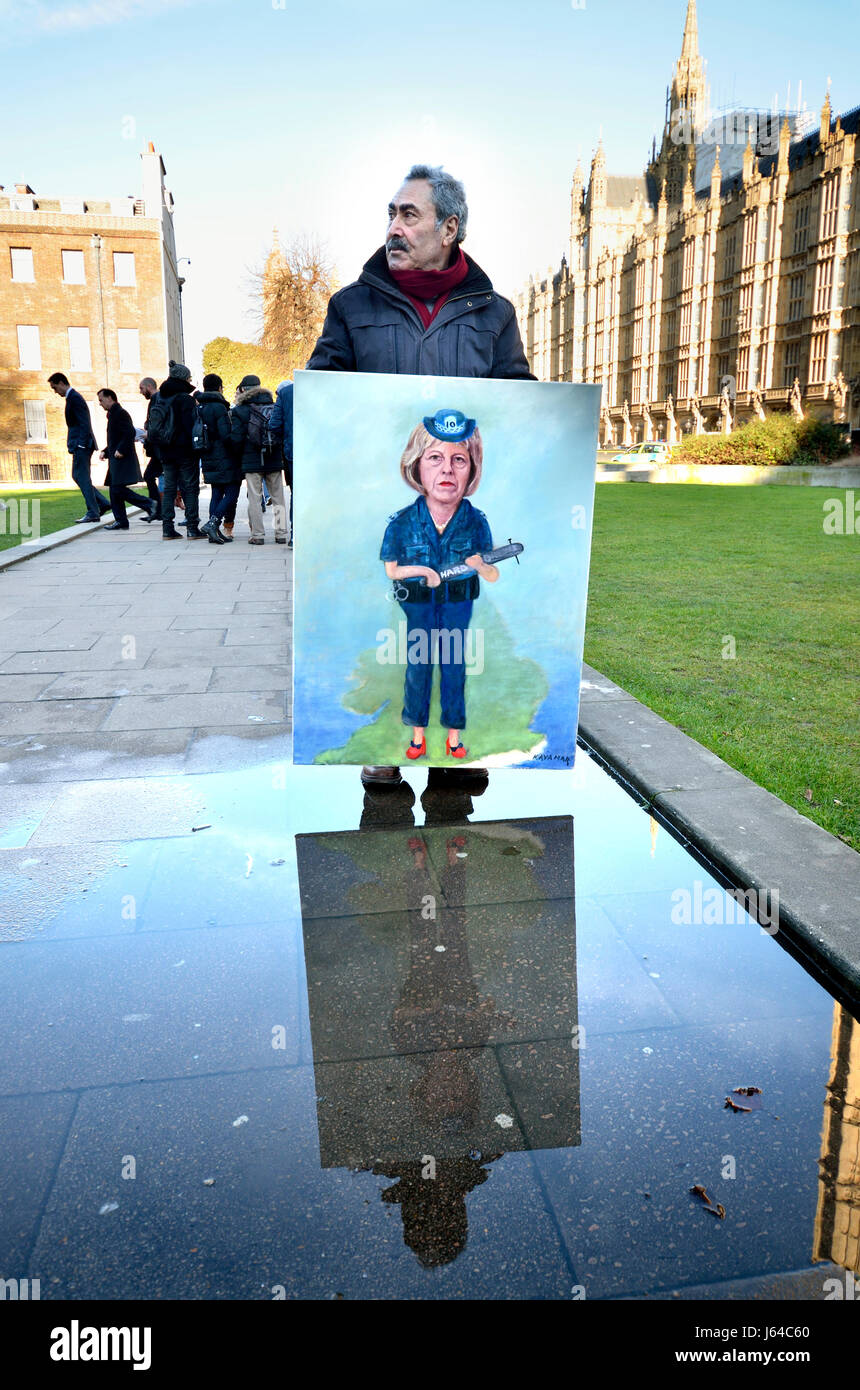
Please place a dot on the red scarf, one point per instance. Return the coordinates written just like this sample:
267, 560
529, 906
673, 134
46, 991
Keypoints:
423, 285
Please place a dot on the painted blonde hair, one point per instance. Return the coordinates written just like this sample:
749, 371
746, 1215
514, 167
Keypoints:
421, 439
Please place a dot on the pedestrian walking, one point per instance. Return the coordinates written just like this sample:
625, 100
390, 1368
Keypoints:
281, 428
260, 457
122, 461
153, 471
171, 424
221, 469
81, 444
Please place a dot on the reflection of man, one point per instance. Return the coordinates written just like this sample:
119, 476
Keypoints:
421, 306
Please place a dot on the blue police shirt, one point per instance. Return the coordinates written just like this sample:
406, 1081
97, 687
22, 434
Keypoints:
411, 538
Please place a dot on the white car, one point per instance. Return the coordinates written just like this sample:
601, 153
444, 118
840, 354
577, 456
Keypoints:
655, 452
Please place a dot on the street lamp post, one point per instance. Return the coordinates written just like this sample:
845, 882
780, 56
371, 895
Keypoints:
180, 280
97, 247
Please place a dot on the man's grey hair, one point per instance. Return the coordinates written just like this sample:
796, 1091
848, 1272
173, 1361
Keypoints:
149, 381
449, 195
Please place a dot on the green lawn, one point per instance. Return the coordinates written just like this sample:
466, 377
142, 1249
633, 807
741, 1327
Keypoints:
678, 570
57, 509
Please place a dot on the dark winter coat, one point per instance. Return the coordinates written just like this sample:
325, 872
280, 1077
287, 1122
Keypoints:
179, 450
372, 326
79, 426
151, 450
281, 419
120, 440
244, 453
219, 463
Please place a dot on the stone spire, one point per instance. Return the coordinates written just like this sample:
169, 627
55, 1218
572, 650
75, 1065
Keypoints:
825, 119
690, 43
597, 184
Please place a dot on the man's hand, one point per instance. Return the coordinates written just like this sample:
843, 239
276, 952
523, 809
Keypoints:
118, 455
432, 578
478, 563
103, 453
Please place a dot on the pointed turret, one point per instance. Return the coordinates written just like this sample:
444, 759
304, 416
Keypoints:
716, 176
690, 42
825, 119
784, 142
597, 183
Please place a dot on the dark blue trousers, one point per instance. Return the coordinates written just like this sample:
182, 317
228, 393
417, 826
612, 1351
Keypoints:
443, 643
95, 502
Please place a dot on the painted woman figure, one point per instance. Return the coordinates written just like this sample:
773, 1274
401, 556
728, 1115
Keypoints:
442, 462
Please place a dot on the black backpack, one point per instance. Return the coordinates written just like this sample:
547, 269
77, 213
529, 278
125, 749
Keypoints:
161, 422
199, 432
260, 436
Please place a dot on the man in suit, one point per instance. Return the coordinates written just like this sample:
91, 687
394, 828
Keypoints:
121, 456
80, 442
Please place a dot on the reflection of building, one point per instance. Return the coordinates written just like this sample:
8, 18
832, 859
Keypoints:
738, 266
89, 289
837, 1220
441, 969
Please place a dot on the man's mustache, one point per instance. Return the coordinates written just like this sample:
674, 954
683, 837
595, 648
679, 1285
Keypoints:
397, 243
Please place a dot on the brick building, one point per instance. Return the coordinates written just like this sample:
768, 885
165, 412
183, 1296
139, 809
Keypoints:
90, 289
722, 283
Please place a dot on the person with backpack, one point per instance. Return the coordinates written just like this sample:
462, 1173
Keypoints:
281, 426
175, 428
221, 469
260, 455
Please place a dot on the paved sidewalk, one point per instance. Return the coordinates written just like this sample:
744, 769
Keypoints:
125, 655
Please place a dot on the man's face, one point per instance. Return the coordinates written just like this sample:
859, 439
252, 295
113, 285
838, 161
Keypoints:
105, 402
444, 472
413, 241
58, 387
146, 390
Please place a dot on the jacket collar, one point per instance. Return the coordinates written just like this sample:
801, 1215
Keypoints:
457, 520
375, 272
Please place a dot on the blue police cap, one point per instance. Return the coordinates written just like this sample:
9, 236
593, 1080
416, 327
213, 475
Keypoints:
450, 425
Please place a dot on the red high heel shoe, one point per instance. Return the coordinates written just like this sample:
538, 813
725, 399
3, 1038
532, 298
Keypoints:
458, 751
417, 750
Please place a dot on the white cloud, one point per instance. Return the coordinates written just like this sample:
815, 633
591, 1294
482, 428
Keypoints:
24, 19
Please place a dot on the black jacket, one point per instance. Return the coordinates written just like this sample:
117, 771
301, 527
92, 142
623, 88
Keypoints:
120, 439
372, 326
79, 426
219, 463
244, 453
151, 450
179, 449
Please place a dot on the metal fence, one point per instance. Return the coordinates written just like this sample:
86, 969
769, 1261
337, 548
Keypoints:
33, 466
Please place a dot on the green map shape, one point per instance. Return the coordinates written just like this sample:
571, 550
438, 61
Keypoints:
501, 703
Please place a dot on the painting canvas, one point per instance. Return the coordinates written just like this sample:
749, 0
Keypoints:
443, 530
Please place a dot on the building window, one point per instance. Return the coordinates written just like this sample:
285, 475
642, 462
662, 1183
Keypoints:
123, 268
689, 263
829, 207
801, 228
79, 350
637, 337
722, 368
743, 369
731, 256
686, 322
791, 363
745, 306
640, 283
22, 263
750, 232
29, 348
726, 315
818, 358
795, 297
129, 349
823, 285
73, 268
36, 422
683, 377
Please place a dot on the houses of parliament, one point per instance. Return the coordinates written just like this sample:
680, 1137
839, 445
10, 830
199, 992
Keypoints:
720, 285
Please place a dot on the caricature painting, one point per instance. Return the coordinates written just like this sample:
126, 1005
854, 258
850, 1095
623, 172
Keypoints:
443, 530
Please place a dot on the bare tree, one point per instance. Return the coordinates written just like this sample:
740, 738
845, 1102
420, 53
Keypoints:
291, 293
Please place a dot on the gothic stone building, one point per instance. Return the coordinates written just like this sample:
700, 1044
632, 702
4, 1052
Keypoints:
717, 287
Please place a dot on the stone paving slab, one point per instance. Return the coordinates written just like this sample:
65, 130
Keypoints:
70, 686
53, 716
173, 711
64, 758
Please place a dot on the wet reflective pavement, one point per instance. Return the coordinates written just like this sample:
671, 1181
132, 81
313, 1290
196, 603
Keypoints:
265, 1035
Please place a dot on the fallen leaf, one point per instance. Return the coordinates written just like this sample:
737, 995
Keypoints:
808, 793
730, 1105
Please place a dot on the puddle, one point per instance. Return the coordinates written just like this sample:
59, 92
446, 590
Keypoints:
415, 1045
